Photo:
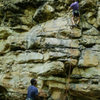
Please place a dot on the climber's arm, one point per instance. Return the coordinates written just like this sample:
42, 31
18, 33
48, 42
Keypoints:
69, 9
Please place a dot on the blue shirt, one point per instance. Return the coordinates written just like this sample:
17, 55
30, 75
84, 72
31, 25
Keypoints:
75, 6
32, 92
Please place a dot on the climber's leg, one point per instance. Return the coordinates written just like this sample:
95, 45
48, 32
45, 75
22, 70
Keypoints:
73, 20
78, 20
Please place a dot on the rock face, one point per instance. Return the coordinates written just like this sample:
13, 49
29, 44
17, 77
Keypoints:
37, 41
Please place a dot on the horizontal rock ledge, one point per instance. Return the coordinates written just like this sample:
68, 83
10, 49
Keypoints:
50, 68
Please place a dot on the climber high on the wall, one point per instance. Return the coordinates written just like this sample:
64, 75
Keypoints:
76, 13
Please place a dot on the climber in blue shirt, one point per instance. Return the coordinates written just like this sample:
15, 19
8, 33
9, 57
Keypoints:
32, 93
76, 14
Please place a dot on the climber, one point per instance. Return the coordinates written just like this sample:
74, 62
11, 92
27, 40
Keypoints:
76, 14
32, 93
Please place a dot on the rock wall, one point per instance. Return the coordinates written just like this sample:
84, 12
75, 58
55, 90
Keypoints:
37, 41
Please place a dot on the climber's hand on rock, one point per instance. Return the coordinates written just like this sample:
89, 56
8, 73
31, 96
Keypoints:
42, 93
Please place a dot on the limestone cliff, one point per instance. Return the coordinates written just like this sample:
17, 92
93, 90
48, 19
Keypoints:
36, 40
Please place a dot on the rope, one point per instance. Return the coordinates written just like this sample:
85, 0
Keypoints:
69, 72
68, 80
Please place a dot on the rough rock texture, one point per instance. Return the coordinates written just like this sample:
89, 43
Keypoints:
37, 41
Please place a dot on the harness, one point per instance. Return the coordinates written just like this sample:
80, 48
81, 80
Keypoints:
76, 11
